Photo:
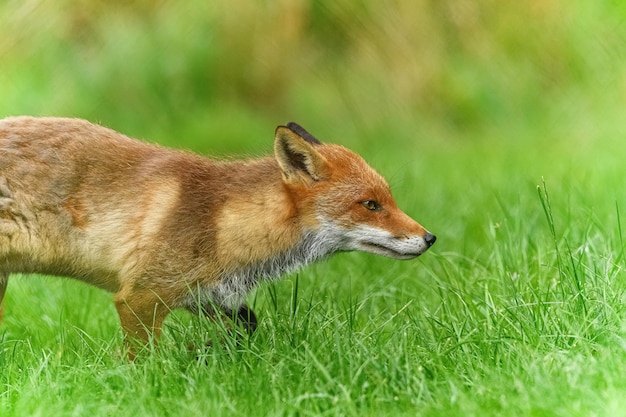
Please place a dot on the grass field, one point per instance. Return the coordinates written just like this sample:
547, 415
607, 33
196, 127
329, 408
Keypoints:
503, 134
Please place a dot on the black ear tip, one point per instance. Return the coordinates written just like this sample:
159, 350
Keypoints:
294, 127
300, 131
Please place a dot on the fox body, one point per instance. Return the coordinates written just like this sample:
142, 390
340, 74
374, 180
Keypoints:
165, 229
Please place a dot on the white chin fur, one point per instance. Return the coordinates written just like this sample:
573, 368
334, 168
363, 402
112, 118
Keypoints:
379, 242
395, 248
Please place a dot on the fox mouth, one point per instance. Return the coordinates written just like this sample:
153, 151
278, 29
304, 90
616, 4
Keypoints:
387, 251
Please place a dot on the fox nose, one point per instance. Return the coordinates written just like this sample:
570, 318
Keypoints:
430, 239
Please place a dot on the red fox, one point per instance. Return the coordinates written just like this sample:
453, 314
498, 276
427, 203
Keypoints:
165, 229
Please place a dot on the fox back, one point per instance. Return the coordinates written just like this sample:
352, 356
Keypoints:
163, 229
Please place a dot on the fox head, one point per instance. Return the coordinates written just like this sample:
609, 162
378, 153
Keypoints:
343, 199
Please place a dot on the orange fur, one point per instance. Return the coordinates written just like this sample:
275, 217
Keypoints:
165, 229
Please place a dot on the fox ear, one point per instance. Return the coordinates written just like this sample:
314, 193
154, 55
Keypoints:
300, 131
297, 157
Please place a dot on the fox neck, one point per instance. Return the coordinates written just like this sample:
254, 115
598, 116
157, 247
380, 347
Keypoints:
230, 293
262, 236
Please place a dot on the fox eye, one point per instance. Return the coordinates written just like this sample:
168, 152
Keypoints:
371, 205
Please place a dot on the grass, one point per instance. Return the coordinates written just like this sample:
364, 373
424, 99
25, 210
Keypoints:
516, 311
499, 128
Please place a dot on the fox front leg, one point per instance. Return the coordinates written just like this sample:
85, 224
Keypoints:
242, 317
141, 315
246, 319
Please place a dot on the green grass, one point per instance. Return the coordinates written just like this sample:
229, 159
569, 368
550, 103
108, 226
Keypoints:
517, 310
499, 128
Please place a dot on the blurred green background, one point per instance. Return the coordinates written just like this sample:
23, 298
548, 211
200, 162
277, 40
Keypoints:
205, 74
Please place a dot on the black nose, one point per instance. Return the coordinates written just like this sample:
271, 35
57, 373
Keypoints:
430, 239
